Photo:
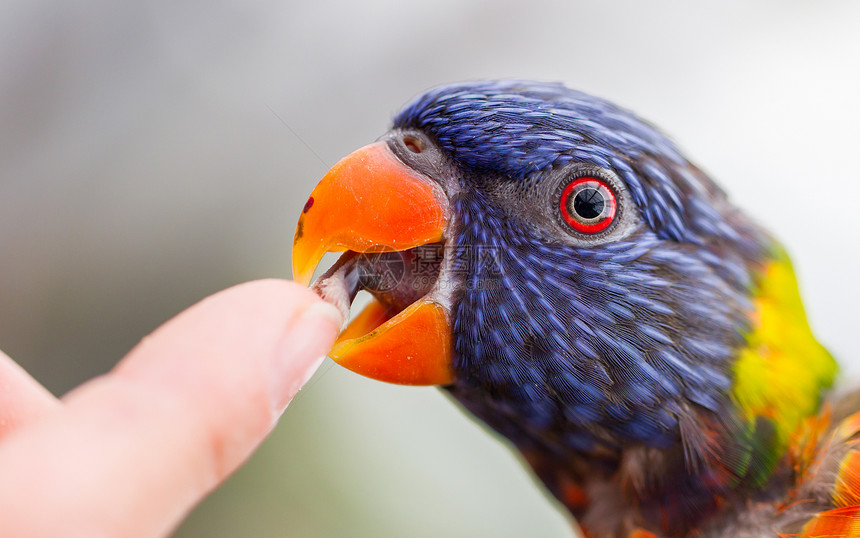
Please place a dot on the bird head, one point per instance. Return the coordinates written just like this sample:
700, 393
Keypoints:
554, 262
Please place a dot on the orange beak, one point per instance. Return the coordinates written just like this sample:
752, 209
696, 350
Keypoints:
371, 202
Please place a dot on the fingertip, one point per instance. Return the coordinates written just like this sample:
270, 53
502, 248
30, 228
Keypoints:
302, 325
301, 351
325, 313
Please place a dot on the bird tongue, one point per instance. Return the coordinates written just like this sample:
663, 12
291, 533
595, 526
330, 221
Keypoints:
396, 279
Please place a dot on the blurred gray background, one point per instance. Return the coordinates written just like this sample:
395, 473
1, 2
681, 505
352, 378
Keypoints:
154, 152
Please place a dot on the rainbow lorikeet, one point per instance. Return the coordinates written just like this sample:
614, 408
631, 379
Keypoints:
571, 279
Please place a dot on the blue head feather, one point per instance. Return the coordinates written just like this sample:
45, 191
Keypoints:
518, 129
587, 348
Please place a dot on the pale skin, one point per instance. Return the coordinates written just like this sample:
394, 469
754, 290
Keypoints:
131, 452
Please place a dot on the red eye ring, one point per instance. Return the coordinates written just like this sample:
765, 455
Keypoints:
588, 205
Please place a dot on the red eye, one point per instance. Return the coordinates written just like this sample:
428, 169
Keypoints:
588, 205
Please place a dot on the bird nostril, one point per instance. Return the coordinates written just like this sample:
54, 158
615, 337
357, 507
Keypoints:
413, 144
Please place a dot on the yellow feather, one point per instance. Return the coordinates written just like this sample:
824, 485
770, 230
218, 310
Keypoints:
783, 371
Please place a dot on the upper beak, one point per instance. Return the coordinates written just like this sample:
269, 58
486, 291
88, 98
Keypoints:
371, 202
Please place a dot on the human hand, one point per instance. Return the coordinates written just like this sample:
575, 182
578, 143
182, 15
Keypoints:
129, 453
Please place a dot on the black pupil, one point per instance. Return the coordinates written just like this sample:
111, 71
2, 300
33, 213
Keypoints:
588, 203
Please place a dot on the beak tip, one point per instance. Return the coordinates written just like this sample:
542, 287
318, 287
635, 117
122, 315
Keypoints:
302, 275
305, 259
304, 280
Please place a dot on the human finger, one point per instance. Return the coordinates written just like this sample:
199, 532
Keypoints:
131, 452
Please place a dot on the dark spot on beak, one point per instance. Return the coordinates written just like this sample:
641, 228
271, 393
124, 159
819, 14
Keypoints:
309, 204
300, 231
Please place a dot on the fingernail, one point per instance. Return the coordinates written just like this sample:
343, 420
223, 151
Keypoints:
301, 351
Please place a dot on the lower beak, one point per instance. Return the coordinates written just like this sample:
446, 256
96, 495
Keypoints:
371, 202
